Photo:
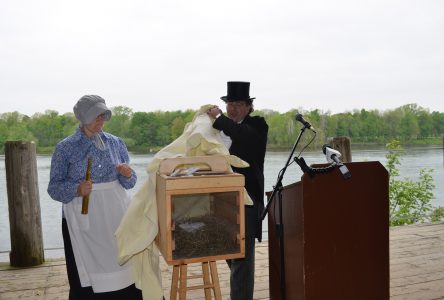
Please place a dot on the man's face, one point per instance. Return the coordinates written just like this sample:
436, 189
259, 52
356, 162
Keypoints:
237, 110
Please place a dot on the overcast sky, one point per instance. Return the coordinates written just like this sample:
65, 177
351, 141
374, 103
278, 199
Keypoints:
333, 55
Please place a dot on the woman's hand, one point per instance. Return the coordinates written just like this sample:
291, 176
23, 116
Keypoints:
124, 169
84, 188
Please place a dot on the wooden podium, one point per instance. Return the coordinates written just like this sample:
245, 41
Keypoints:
336, 236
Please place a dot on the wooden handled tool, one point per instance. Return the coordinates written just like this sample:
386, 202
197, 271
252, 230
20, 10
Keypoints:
85, 201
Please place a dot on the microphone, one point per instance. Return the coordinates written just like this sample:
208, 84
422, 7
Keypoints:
301, 119
333, 156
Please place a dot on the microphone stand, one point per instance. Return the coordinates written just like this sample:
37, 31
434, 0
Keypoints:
277, 189
281, 174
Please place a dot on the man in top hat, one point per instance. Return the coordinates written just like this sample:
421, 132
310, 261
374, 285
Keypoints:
246, 137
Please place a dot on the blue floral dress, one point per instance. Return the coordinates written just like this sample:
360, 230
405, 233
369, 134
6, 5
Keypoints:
92, 234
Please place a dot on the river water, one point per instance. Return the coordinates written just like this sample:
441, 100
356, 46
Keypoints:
414, 159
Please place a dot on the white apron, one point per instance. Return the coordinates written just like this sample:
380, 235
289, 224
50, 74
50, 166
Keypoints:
93, 240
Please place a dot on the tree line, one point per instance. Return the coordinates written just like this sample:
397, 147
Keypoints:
150, 131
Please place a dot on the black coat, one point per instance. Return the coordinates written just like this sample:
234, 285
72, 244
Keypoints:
249, 143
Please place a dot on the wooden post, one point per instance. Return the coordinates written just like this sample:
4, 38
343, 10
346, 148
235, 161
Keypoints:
342, 144
24, 204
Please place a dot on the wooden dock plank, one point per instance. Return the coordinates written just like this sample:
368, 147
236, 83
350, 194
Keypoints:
417, 262
416, 270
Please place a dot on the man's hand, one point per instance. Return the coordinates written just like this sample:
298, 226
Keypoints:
214, 112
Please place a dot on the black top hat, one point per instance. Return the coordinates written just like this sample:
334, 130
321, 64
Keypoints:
237, 91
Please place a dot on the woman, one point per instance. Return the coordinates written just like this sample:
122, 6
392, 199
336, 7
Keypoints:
90, 246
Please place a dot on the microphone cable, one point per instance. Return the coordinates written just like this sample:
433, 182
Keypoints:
313, 171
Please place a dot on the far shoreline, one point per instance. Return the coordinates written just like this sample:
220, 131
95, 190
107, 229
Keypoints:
271, 148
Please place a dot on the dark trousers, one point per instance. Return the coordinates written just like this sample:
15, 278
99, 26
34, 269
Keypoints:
242, 269
76, 291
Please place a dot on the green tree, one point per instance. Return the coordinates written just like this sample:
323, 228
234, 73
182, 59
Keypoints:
163, 135
438, 123
410, 202
371, 125
69, 124
347, 126
278, 130
120, 122
151, 130
409, 126
331, 124
13, 127
143, 129
177, 127
425, 124
392, 123
50, 127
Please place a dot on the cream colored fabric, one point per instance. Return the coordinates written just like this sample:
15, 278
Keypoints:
139, 226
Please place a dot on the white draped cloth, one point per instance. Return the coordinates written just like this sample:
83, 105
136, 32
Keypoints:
139, 226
